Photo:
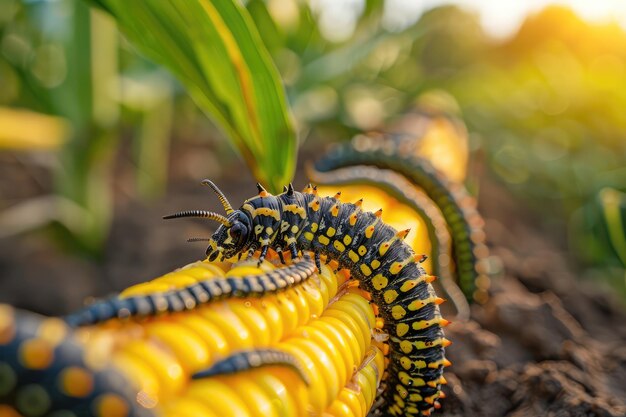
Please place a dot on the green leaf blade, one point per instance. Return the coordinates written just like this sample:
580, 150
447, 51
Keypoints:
215, 50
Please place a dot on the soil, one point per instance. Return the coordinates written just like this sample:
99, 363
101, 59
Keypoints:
545, 344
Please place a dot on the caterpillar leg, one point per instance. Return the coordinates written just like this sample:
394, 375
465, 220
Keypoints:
279, 251
264, 250
318, 262
293, 250
252, 359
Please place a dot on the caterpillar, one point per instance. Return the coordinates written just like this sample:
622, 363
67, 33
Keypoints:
376, 256
457, 206
190, 296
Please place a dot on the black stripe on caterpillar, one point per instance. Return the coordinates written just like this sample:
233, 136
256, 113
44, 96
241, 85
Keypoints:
453, 199
402, 190
253, 359
44, 371
376, 255
189, 297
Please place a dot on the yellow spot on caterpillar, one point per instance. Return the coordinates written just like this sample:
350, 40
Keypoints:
347, 240
269, 231
261, 211
420, 364
399, 402
264, 211
308, 236
330, 232
375, 264
353, 256
334, 211
415, 398
418, 304
406, 346
284, 226
384, 247
437, 364
379, 213
353, 219
390, 296
314, 205
398, 312
359, 203
422, 324
295, 209
402, 329
314, 227
264, 194
402, 391
258, 229
410, 284
323, 240
339, 246
369, 231
294, 229
362, 250
366, 270
76, 381
406, 363
36, 354
396, 267
379, 282
111, 405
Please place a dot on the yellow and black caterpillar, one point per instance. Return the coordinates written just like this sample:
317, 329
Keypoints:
374, 253
190, 296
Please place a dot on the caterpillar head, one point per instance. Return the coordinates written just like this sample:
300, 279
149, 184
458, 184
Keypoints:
230, 238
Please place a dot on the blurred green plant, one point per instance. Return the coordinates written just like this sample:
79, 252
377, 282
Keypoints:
216, 52
62, 58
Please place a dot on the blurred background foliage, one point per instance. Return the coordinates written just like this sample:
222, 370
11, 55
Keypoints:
544, 107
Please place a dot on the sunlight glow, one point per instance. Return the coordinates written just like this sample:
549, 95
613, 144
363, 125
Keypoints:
503, 18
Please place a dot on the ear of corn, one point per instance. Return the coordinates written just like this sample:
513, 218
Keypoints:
326, 323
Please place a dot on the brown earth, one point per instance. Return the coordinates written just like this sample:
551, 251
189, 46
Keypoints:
545, 344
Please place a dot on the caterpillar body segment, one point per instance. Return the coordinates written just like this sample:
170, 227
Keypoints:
197, 293
44, 368
375, 255
456, 204
246, 360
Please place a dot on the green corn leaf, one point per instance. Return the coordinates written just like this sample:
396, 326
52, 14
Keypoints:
214, 49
